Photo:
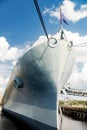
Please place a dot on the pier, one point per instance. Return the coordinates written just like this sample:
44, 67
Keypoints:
75, 112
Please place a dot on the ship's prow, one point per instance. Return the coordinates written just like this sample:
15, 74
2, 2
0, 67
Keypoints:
32, 92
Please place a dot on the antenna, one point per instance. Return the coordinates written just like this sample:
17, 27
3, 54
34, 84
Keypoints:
40, 17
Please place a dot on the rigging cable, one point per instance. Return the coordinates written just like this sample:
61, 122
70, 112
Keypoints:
81, 45
43, 25
40, 16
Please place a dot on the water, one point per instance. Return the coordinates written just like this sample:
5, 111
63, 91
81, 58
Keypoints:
71, 124
67, 124
6, 124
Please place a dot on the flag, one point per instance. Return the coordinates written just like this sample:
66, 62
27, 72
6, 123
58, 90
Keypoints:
65, 21
63, 18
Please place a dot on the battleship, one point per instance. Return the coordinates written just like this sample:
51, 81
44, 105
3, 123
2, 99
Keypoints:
36, 81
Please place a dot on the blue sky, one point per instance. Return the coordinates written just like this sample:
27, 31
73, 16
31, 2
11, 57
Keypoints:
19, 21
20, 26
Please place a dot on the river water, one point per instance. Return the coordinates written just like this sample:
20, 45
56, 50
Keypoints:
67, 124
71, 124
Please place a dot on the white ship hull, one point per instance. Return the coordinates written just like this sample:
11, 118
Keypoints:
37, 78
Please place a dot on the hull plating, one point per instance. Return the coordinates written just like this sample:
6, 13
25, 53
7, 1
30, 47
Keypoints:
43, 71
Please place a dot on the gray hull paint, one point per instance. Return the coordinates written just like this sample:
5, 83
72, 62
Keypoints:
30, 123
41, 77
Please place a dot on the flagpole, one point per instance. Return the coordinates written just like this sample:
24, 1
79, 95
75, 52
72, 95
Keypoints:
60, 18
61, 27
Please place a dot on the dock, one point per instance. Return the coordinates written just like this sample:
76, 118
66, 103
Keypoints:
75, 112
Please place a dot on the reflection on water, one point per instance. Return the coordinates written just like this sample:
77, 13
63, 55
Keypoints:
71, 124
7, 124
67, 124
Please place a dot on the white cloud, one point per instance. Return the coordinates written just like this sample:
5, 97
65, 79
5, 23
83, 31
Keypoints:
14, 62
68, 9
5, 71
3, 81
79, 79
3, 84
7, 52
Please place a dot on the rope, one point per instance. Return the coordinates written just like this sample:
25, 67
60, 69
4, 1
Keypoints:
40, 16
61, 115
81, 45
44, 28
